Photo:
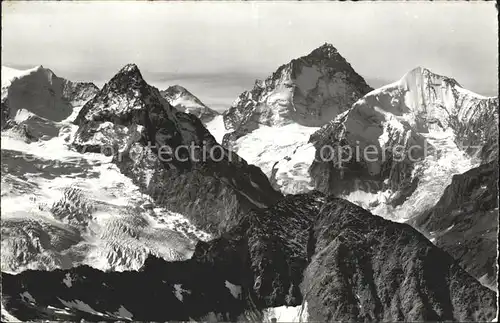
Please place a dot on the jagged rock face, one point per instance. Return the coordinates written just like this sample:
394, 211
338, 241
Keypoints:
465, 222
397, 117
267, 250
310, 91
41, 93
79, 92
151, 142
357, 267
19, 130
357, 151
184, 101
169, 291
365, 268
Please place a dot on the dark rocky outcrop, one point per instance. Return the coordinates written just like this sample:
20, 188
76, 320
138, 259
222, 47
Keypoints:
346, 263
170, 154
465, 221
257, 264
365, 268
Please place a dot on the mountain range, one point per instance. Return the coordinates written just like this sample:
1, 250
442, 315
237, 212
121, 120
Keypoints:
108, 214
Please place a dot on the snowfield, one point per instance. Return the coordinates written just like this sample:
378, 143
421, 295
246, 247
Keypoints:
282, 153
61, 208
216, 128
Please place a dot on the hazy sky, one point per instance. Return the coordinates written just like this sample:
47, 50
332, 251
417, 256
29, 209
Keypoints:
217, 50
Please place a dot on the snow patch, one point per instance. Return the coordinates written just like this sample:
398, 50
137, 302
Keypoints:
287, 313
124, 313
67, 280
81, 306
27, 296
178, 291
234, 289
6, 316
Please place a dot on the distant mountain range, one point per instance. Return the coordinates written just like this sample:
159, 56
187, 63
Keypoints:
101, 222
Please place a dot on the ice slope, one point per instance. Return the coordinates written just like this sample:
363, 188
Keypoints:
216, 128
283, 154
433, 103
434, 173
61, 208
39, 91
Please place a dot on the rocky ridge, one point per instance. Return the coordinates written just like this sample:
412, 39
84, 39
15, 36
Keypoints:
150, 141
356, 266
465, 222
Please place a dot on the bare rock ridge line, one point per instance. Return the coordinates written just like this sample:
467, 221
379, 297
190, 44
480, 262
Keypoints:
366, 268
184, 101
465, 222
346, 263
310, 91
130, 115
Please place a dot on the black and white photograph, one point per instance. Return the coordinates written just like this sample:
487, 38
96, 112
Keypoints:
249, 161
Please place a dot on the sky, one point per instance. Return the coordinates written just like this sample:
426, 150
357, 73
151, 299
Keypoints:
217, 49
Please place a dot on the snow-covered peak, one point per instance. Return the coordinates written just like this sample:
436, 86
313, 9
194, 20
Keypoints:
41, 93
183, 100
310, 90
9, 74
432, 102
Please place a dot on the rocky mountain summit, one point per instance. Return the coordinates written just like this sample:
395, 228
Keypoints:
184, 101
356, 266
270, 125
310, 90
151, 142
37, 96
